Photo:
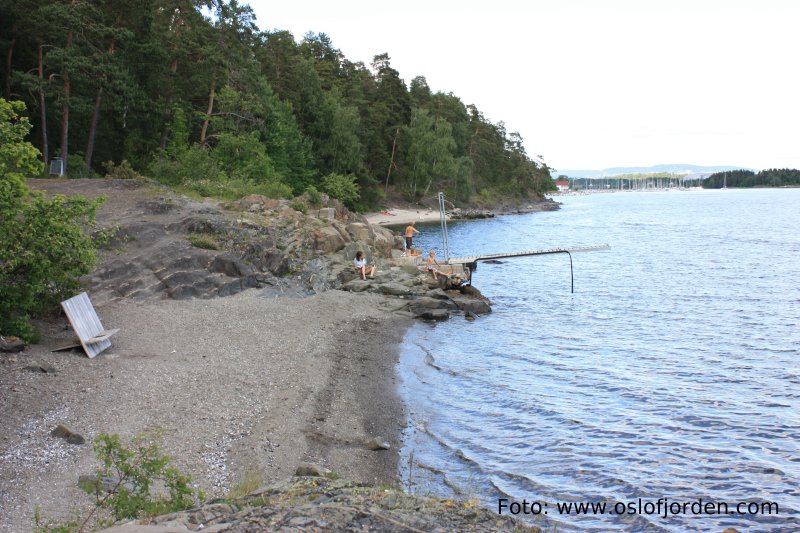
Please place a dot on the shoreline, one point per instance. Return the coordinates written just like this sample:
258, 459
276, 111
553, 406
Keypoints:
234, 404
401, 216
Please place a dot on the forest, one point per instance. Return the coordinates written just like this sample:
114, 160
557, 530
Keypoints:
772, 177
193, 94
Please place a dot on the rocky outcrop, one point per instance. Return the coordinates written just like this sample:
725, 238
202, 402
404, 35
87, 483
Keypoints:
166, 246
324, 504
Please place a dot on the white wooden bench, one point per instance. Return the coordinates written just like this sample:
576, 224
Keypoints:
81, 314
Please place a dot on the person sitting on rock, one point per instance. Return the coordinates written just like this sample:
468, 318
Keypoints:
361, 266
429, 265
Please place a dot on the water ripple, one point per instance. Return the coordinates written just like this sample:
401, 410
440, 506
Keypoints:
672, 372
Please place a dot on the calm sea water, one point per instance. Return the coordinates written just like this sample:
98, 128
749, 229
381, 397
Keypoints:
673, 371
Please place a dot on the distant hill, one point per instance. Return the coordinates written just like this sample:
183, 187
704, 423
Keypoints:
615, 171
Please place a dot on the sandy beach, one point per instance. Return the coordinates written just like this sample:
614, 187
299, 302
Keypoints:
242, 387
402, 217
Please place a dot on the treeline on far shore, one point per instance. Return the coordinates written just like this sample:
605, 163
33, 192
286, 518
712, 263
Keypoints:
195, 95
773, 177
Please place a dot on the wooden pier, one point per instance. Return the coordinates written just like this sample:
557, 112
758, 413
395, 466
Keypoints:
471, 261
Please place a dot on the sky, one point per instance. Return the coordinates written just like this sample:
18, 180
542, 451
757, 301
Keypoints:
592, 84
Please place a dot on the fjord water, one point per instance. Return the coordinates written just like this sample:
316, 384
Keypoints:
673, 371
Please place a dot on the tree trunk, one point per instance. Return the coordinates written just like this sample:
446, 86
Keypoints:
93, 127
42, 108
173, 67
97, 101
391, 161
425, 194
65, 111
9, 57
210, 109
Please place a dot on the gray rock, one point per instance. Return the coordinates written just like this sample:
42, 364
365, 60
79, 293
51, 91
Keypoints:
473, 305
63, 432
424, 302
12, 344
230, 266
326, 213
328, 240
434, 314
357, 285
360, 231
377, 443
411, 269
310, 469
351, 248
437, 293
42, 369
394, 289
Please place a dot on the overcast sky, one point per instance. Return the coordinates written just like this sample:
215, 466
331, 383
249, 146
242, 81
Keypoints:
591, 84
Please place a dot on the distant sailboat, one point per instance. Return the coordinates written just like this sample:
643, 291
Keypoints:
725, 180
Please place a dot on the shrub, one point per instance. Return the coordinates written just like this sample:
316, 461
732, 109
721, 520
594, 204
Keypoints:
123, 171
43, 246
314, 196
342, 187
203, 240
134, 473
77, 167
298, 205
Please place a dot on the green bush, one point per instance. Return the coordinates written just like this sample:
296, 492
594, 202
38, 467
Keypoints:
314, 196
134, 472
298, 205
203, 240
43, 246
342, 187
123, 171
77, 167
237, 167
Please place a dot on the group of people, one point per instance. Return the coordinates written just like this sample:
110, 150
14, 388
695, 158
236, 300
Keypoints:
366, 270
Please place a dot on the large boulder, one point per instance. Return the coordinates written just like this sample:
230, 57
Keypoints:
473, 305
328, 240
360, 231
230, 266
394, 288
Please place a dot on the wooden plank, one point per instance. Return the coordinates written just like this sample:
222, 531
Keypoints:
503, 255
75, 343
86, 324
103, 335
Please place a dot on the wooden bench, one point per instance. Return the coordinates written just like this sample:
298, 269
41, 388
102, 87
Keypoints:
81, 314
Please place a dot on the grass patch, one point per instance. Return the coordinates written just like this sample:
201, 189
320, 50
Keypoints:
248, 484
203, 240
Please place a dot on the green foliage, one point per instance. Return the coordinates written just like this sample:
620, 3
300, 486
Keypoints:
314, 196
236, 167
77, 167
18, 159
123, 171
209, 104
343, 188
136, 470
44, 248
143, 484
203, 240
772, 177
298, 205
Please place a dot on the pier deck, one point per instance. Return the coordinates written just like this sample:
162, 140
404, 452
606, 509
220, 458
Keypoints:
473, 259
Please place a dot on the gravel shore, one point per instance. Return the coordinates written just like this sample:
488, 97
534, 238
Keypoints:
243, 387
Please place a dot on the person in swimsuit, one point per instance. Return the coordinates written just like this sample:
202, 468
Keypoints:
410, 231
431, 265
